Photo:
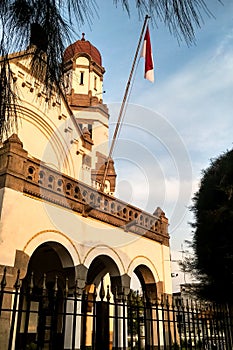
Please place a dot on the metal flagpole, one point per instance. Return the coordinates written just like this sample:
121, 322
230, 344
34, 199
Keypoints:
123, 104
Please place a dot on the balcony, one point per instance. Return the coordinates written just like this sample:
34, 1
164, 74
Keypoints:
36, 179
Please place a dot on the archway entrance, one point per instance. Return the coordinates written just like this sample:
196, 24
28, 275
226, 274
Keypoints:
102, 266
142, 323
40, 322
103, 319
147, 281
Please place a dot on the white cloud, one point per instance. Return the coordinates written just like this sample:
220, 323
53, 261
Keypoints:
197, 99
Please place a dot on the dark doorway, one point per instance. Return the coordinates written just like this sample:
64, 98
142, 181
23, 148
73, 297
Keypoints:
40, 321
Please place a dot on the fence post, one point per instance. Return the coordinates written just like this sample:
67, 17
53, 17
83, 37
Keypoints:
94, 319
102, 321
73, 317
54, 317
14, 312
64, 315
28, 295
3, 285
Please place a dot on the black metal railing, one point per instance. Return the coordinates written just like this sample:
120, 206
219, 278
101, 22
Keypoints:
55, 316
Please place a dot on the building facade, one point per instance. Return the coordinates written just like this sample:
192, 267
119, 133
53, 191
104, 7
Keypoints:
55, 221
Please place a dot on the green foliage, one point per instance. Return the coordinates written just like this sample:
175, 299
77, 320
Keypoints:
213, 230
31, 346
135, 311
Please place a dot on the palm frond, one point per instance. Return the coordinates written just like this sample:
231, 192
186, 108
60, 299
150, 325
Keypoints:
53, 22
8, 100
181, 17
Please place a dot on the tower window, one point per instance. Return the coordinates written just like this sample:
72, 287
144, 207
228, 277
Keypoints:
81, 78
95, 83
89, 126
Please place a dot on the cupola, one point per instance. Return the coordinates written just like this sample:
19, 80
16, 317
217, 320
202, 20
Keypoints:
83, 46
83, 74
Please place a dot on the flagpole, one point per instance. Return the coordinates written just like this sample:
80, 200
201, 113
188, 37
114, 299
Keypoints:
123, 104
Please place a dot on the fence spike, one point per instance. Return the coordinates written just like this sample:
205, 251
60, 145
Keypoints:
66, 290
85, 291
182, 303
3, 282
44, 284
144, 297
167, 301
55, 286
149, 297
123, 294
192, 305
173, 303
108, 294
75, 289
95, 292
31, 284
17, 282
116, 293
162, 300
102, 292
129, 297
138, 298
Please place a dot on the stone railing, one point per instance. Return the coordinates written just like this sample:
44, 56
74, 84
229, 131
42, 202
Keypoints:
41, 181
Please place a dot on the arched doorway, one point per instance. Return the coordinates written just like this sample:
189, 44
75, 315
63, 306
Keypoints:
41, 320
103, 316
142, 315
147, 281
102, 266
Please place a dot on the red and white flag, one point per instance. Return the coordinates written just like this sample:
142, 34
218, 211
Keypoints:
147, 54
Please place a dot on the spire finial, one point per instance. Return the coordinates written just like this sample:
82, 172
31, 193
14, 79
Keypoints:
83, 37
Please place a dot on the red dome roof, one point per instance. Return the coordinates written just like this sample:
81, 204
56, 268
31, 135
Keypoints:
82, 46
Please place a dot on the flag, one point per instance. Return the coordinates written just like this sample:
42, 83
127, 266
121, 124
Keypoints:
147, 54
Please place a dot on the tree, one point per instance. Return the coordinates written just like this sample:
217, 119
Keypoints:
213, 235
53, 21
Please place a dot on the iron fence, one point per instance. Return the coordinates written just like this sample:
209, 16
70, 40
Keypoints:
47, 317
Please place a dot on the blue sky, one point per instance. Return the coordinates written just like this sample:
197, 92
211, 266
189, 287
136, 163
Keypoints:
172, 128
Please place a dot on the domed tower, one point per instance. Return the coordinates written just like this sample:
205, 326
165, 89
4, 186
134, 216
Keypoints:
84, 74
84, 90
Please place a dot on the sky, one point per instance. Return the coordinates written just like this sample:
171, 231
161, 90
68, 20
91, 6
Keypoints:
174, 127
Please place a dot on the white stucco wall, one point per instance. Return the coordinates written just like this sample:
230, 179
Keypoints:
49, 134
47, 130
28, 222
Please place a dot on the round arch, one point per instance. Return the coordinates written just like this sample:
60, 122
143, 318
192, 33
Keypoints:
53, 137
101, 266
53, 260
147, 275
49, 267
143, 260
62, 243
105, 251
